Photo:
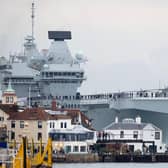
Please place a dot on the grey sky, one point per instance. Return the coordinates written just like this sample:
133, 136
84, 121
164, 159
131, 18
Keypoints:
125, 41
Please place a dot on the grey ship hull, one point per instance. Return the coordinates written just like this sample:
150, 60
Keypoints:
101, 117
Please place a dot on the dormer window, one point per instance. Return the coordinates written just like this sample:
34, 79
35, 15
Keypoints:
39, 124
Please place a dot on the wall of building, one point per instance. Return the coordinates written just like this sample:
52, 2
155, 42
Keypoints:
30, 130
3, 118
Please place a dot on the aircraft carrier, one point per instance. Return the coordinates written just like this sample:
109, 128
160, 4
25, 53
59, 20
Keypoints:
41, 76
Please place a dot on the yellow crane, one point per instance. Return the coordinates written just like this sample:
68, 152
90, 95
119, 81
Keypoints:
41, 159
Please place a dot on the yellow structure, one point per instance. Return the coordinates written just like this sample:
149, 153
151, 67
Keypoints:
23, 160
39, 159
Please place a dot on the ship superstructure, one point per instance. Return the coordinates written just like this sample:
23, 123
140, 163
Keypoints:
41, 78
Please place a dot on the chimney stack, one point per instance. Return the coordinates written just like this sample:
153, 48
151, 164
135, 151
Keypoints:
116, 119
138, 120
53, 105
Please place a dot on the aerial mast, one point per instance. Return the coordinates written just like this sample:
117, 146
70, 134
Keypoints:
32, 17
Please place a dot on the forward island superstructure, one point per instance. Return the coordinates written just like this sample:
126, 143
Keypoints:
41, 78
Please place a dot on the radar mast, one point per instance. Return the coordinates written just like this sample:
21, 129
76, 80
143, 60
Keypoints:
32, 17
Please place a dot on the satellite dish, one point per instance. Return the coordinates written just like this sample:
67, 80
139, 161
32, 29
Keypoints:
80, 57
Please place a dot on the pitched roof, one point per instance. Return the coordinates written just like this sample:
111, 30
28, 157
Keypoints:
41, 114
129, 126
126, 126
30, 114
9, 108
58, 116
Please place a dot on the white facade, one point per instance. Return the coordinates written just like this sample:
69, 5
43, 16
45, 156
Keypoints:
135, 133
71, 138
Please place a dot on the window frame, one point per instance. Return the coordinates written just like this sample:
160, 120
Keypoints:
22, 124
39, 124
13, 124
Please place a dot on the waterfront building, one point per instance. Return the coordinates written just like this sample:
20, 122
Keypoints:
31, 123
69, 127
139, 136
68, 133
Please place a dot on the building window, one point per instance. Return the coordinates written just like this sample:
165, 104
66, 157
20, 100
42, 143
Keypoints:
50, 124
75, 149
11, 99
68, 149
39, 124
62, 124
12, 135
65, 125
157, 135
53, 124
135, 134
12, 124
83, 148
1, 118
7, 99
121, 134
21, 124
39, 136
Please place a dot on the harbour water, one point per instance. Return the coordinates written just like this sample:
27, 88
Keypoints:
111, 165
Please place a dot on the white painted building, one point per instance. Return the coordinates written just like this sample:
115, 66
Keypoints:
68, 136
144, 137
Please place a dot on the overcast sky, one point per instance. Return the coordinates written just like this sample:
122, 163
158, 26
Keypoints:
125, 41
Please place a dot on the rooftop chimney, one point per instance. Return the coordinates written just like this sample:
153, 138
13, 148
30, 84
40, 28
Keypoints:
138, 120
116, 119
53, 105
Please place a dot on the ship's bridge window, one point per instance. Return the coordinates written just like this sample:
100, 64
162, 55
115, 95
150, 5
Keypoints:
46, 74
51, 74
64, 73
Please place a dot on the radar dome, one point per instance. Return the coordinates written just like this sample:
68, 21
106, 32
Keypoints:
80, 57
45, 66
